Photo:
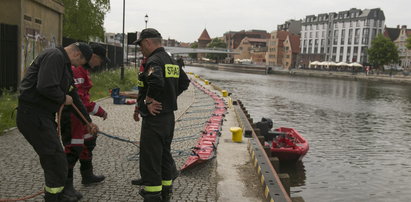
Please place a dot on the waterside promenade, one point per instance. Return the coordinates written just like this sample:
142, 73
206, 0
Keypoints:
396, 77
228, 177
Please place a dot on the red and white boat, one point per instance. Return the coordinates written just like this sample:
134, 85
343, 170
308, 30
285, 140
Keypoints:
288, 145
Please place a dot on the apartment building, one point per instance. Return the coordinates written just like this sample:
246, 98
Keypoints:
283, 48
399, 37
249, 47
292, 26
340, 37
234, 38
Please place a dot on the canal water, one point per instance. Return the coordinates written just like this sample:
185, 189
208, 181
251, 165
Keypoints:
359, 132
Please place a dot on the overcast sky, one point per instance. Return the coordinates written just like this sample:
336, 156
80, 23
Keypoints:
184, 20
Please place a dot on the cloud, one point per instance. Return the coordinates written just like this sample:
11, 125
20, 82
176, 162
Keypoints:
185, 20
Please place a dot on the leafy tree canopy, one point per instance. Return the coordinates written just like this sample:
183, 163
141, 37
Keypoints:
409, 42
383, 51
84, 19
216, 43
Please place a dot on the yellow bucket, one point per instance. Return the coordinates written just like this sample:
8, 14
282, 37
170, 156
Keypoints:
237, 133
225, 93
206, 82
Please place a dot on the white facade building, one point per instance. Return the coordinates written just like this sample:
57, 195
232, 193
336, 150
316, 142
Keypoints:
340, 37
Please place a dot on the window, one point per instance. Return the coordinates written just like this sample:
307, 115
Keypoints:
38, 21
26, 17
365, 35
342, 36
357, 36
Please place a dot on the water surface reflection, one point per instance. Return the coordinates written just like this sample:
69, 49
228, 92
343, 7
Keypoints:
359, 132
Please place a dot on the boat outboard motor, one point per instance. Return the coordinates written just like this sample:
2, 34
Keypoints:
265, 126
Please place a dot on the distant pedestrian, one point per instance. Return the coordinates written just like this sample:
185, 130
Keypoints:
180, 62
47, 85
163, 80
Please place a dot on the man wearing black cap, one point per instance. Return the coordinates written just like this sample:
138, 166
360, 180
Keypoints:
78, 142
46, 86
163, 80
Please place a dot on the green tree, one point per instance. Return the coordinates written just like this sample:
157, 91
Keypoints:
193, 55
84, 19
409, 42
383, 52
219, 44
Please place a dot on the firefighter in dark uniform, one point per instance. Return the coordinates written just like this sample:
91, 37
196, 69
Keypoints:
163, 80
78, 142
46, 86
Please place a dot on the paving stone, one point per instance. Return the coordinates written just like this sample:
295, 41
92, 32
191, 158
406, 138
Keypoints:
21, 174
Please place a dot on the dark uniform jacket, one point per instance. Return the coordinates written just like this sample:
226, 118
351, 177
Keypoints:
162, 80
46, 83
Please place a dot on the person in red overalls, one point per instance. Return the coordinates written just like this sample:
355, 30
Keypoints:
78, 143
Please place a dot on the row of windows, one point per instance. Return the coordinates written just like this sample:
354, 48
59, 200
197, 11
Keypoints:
334, 50
28, 18
358, 23
334, 16
341, 34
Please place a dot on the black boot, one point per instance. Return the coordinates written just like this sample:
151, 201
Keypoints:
88, 177
49, 197
150, 196
69, 189
59, 197
166, 193
67, 198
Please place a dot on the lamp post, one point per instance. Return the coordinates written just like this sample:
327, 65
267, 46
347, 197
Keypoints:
122, 59
146, 19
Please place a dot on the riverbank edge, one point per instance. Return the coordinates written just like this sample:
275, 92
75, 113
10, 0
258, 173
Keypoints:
361, 76
233, 155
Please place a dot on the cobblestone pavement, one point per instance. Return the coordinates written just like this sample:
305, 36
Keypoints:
21, 174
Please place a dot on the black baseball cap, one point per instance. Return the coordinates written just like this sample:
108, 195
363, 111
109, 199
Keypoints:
100, 51
85, 49
147, 33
